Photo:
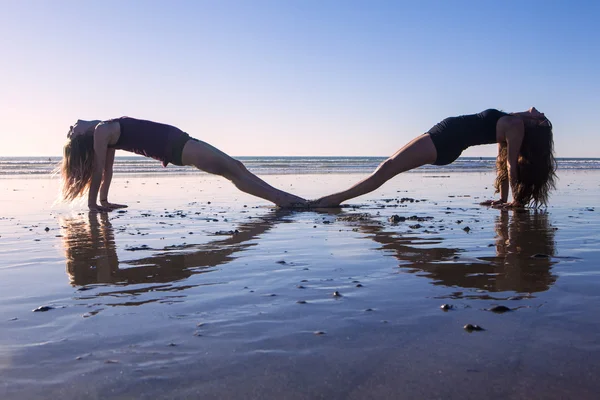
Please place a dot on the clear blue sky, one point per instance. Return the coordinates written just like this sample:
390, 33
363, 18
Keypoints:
287, 77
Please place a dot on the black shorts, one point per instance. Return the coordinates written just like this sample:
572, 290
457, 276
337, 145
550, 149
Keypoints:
177, 148
447, 141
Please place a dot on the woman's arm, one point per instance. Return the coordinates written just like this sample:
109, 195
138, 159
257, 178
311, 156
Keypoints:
101, 139
503, 186
514, 138
106, 179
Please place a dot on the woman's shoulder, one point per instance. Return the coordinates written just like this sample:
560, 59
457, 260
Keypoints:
110, 130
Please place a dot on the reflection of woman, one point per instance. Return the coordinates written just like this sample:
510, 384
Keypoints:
92, 256
520, 237
524, 245
90, 249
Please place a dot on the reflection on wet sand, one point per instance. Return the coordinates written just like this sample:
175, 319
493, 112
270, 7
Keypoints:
524, 247
91, 253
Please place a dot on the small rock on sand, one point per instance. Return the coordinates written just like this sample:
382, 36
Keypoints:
472, 327
43, 308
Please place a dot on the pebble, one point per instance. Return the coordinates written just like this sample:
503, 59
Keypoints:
319, 333
337, 294
473, 327
396, 218
43, 308
446, 307
499, 309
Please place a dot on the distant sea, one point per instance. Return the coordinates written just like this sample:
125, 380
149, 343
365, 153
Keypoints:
39, 166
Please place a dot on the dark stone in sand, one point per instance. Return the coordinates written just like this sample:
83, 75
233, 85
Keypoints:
359, 285
121, 212
499, 309
416, 226
84, 288
301, 287
301, 302
319, 333
354, 217
539, 255
459, 221
369, 309
394, 219
473, 327
226, 233
43, 308
337, 294
467, 229
446, 307
172, 344
47, 229
142, 247
281, 262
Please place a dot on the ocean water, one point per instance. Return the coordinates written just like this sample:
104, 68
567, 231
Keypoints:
134, 165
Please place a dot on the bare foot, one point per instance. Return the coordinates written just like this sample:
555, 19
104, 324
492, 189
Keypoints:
325, 202
293, 202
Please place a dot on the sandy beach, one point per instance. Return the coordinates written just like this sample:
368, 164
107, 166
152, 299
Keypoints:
200, 291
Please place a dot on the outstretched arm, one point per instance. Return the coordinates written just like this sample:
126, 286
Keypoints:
106, 179
503, 185
514, 139
512, 130
100, 149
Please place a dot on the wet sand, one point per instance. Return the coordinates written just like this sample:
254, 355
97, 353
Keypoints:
199, 291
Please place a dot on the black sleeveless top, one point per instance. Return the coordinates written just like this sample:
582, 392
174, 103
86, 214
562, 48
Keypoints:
455, 134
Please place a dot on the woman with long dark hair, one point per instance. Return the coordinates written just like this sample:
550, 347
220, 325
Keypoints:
89, 154
525, 162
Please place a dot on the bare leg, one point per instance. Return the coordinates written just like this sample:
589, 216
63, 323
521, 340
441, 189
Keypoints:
419, 151
212, 160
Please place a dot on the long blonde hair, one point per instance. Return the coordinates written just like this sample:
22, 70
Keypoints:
76, 167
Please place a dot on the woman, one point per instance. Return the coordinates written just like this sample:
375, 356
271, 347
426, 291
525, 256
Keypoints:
89, 154
525, 160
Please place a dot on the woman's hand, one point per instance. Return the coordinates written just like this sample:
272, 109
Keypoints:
511, 205
492, 203
112, 206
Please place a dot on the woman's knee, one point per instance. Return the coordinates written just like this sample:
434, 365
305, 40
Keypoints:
386, 167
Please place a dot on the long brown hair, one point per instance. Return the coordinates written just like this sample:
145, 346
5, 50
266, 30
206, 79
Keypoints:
77, 166
536, 167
